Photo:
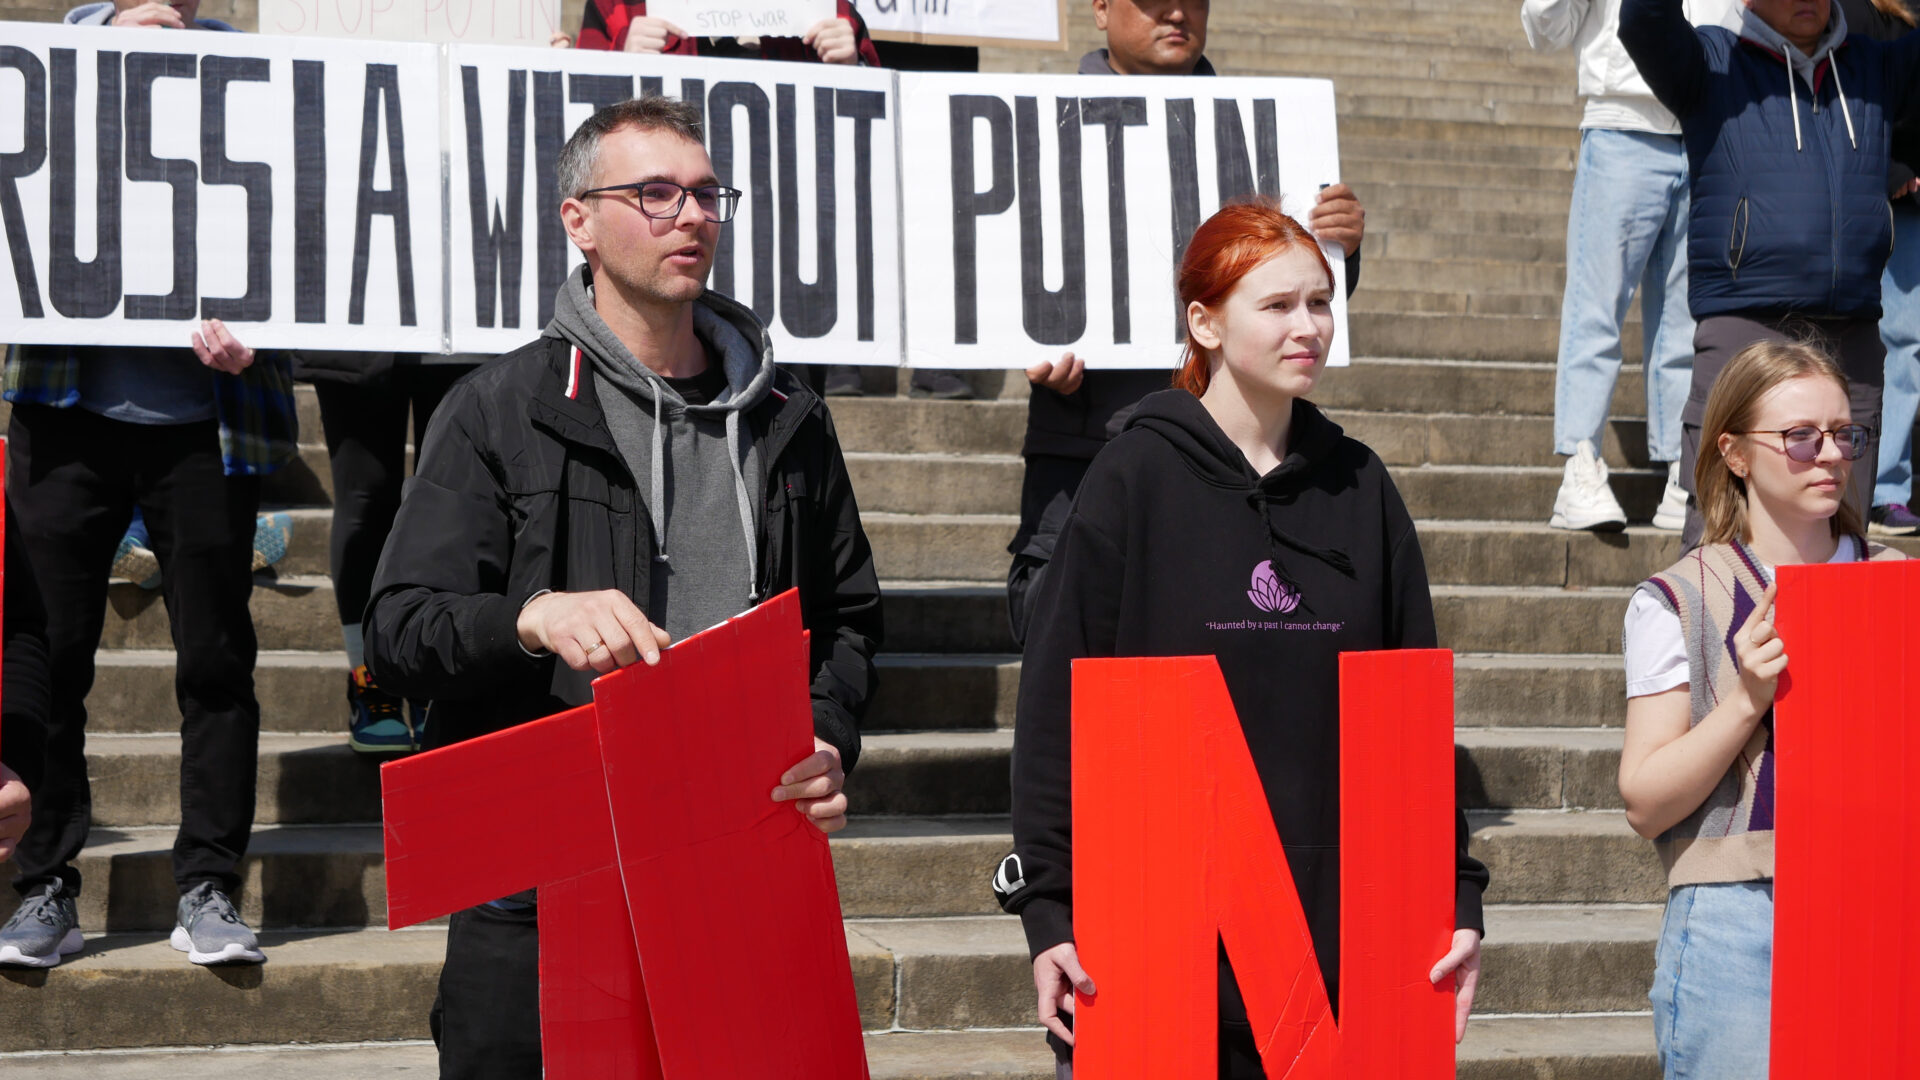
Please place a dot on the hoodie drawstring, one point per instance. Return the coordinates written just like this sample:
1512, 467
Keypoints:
1793, 94
1840, 92
657, 490
743, 496
1261, 503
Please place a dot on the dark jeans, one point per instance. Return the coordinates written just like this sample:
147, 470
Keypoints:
486, 1018
1853, 343
366, 432
73, 480
1047, 488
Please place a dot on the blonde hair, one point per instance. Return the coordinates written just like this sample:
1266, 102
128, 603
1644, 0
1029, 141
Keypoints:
1731, 407
1894, 9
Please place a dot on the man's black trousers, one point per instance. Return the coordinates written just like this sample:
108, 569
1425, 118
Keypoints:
73, 480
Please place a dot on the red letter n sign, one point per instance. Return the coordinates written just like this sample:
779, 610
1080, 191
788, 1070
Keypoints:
1846, 723
1175, 846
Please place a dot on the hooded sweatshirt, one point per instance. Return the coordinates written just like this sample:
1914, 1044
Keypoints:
1175, 547
695, 465
1788, 154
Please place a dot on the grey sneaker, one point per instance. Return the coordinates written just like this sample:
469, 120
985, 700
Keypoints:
45, 929
210, 931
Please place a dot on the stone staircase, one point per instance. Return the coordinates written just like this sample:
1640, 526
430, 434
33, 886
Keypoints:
1460, 142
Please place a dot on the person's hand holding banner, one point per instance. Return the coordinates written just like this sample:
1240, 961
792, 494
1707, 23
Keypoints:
599, 631
217, 348
1061, 378
833, 39
813, 786
1463, 963
1338, 218
1057, 976
1763, 656
647, 34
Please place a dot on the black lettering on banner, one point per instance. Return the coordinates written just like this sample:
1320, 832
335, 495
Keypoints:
970, 205
1051, 316
1183, 178
550, 238
178, 173
1116, 115
727, 97
24, 162
496, 242
382, 96
309, 191
90, 289
253, 177
807, 310
694, 93
652, 86
1266, 147
864, 107
1232, 171
598, 91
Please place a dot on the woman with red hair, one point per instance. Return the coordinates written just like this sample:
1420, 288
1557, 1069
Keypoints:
1231, 518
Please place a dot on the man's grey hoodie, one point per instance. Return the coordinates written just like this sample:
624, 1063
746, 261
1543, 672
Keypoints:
696, 467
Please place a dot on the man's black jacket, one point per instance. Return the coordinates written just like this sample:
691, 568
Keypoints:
519, 488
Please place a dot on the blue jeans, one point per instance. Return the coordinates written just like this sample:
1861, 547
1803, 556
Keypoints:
1627, 229
1900, 330
1713, 982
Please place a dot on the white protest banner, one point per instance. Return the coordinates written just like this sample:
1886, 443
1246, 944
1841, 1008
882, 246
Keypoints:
149, 179
470, 22
814, 248
1017, 23
734, 18
1048, 214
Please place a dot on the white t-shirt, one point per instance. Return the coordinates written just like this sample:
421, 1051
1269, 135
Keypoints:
1656, 654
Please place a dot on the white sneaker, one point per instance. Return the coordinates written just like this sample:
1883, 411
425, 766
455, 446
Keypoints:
1585, 501
1672, 515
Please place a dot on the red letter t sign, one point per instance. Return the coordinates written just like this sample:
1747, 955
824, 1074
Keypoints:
689, 925
1146, 935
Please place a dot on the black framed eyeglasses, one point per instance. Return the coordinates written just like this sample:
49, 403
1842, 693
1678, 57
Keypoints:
1803, 443
663, 199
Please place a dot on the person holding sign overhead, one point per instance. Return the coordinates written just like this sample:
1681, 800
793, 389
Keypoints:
1703, 665
637, 474
1230, 479
625, 26
1072, 411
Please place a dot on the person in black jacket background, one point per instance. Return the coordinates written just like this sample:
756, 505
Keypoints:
1072, 411
1231, 478
638, 474
25, 694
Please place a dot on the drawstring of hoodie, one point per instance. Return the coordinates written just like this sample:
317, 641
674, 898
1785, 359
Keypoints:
657, 493
1260, 503
1793, 95
1840, 92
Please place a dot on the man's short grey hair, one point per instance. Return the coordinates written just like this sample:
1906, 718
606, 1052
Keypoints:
574, 169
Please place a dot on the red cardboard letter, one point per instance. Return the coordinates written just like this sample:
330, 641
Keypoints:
1174, 844
689, 925
1846, 956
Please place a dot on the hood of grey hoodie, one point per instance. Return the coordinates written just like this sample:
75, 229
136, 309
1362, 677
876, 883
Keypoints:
734, 338
1755, 29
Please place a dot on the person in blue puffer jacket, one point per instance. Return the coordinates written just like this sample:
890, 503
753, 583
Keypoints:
1788, 128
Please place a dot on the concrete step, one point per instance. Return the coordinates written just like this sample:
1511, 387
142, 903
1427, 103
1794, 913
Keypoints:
938, 485
334, 875
1380, 84
1502, 275
1522, 338
1494, 618
1514, 492
319, 780
1480, 388
1388, 243
1444, 302
1419, 438
1501, 113
1396, 126
1566, 857
919, 426
300, 692
1442, 151
1496, 1048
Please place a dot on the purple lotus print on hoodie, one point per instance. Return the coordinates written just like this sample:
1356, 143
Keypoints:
1269, 593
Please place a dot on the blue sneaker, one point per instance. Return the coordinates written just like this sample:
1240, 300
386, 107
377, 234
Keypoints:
134, 559
271, 532
375, 722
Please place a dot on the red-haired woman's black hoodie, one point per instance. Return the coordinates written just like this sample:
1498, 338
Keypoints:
1167, 552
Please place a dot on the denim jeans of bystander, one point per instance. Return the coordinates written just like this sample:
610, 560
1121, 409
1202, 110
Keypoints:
1900, 329
1626, 231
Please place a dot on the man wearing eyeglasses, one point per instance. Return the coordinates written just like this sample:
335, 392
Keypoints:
638, 474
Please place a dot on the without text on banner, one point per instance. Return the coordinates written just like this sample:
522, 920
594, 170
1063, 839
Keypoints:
1051, 212
814, 248
288, 187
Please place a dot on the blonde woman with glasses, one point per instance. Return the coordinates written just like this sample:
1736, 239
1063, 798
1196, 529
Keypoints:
1702, 665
